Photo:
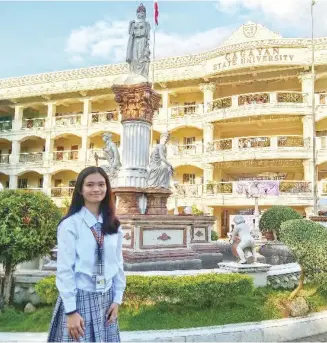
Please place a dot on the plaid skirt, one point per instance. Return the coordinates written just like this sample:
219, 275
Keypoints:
92, 307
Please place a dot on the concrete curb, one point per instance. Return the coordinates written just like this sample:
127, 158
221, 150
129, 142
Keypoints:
281, 330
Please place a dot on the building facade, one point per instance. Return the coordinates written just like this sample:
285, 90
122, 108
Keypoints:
240, 112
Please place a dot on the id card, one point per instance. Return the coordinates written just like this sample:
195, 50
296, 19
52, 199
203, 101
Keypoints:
99, 283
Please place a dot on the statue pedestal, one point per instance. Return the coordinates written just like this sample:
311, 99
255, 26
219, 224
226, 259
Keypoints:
127, 200
258, 271
157, 201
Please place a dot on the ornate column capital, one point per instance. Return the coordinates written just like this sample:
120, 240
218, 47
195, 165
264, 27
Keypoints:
208, 87
137, 102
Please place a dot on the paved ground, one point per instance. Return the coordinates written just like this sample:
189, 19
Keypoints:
317, 338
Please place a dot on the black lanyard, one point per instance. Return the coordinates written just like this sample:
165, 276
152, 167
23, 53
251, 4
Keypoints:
99, 241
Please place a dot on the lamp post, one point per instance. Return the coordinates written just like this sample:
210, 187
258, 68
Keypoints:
314, 167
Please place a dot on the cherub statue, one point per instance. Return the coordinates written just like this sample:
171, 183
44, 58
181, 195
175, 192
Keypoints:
246, 241
138, 50
159, 169
111, 155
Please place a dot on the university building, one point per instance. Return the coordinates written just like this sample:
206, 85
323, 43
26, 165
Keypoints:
242, 111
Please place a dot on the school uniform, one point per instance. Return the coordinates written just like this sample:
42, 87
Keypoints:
80, 261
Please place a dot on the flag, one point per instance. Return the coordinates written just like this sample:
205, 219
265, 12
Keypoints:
156, 11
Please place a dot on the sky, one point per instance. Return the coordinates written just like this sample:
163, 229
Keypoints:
46, 36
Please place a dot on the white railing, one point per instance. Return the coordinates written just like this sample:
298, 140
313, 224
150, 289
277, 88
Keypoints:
6, 125
65, 155
69, 119
219, 103
4, 158
186, 149
31, 189
31, 157
59, 192
33, 123
101, 117
188, 190
188, 110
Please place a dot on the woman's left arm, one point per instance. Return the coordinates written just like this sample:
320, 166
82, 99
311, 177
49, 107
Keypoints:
119, 280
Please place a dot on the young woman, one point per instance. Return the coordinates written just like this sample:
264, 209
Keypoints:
90, 275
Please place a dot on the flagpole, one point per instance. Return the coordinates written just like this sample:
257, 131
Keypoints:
154, 44
314, 186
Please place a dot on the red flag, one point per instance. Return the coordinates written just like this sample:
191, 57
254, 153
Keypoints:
156, 11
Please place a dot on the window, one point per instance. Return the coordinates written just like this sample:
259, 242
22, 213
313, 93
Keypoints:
41, 182
189, 108
189, 143
189, 179
22, 183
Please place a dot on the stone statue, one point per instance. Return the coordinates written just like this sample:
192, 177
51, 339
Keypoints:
246, 241
111, 155
159, 169
138, 50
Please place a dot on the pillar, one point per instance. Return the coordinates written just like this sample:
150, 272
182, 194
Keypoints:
49, 143
307, 80
208, 173
87, 110
18, 120
51, 113
208, 135
308, 129
13, 181
47, 183
83, 151
208, 90
15, 151
164, 111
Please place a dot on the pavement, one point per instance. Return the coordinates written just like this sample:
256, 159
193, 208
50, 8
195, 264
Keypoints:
316, 338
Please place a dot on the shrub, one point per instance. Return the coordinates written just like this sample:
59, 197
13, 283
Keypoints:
204, 290
214, 235
308, 242
272, 219
28, 225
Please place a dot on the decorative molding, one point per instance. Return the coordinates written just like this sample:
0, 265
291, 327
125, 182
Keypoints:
164, 237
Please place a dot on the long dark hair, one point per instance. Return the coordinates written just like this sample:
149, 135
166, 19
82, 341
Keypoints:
107, 206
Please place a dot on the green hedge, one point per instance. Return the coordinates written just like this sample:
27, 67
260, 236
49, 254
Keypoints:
200, 290
272, 219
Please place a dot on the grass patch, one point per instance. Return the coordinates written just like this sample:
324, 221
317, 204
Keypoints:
265, 304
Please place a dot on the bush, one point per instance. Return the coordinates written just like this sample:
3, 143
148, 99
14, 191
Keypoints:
28, 225
204, 290
308, 242
272, 219
214, 235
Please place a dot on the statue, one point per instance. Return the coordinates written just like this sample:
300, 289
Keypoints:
159, 169
112, 157
246, 241
138, 50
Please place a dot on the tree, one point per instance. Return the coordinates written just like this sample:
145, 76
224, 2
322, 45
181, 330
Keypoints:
308, 242
272, 219
28, 225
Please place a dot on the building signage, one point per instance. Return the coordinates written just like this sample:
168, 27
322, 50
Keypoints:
253, 56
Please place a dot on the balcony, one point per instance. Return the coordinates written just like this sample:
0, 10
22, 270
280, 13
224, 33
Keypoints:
183, 111
103, 117
4, 159
33, 123
68, 120
31, 157
185, 149
60, 192
5, 125
65, 155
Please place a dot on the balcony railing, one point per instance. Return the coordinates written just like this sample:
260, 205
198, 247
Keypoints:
68, 120
59, 192
253, 98
31, 189
33, 123
189, 190
292, 97
66, 155
220, 103
292, 141
31, 157
102, 117
253, 142
5, 125
220, 144
187, 149
188, 110
5, 159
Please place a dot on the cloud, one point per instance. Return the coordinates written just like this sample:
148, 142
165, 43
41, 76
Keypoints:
107, 41
280, 14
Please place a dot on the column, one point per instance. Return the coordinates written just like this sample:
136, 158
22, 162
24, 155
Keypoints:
208, 171
15, 151
51, 113
208, 90
13, 181
208, 134
47, 183
306, 79
18, 120
49, 143
307, 130
87, 110
164, 110
83, 151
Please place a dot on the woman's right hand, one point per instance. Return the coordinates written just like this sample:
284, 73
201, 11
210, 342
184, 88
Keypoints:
75, 326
